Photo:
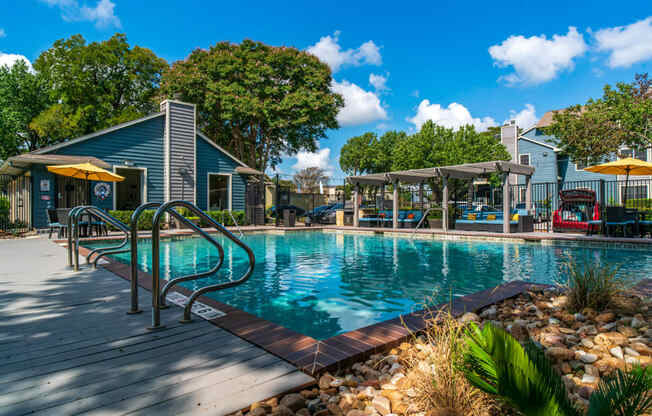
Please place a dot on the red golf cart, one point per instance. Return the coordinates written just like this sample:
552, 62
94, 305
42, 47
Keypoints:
578, 210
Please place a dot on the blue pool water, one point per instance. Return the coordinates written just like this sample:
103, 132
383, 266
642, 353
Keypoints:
322, 283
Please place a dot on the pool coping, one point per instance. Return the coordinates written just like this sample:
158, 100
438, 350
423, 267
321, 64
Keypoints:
314, 356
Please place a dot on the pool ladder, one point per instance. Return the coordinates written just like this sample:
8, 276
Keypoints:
158, 294
131, 236
423, 218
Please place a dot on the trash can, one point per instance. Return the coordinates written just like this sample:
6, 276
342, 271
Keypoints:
289, 217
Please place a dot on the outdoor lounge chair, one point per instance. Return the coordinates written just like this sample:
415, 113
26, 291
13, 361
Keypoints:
54, 224
619, 217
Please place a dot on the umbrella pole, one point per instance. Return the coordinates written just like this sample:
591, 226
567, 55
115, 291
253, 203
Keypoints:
626, 186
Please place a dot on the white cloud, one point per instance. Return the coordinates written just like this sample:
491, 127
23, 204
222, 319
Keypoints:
360, 106
10, 59
318, 159
379, 82
525, 118
454, 116
2, 33
626, 44
329, 51
537, 59
103, 14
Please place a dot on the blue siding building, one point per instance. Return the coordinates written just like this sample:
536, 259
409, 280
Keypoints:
162, 157
536, 148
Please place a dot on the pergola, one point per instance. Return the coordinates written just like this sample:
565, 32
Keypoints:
465, 171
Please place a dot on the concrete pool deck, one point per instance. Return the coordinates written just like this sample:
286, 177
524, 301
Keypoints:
68, 347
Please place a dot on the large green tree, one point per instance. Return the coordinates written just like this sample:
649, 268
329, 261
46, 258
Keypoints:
434, 145
23, 95
356, 154
369, 153
258, 101
601, 127
95, 85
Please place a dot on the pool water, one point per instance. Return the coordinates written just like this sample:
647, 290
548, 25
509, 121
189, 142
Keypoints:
323, 283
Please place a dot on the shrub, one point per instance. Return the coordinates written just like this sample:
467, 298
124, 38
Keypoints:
4, 208
224, 218
441, 385
144, 221
595, 286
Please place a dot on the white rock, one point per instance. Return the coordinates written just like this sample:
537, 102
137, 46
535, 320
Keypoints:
617, 352
609, 327
382, 405
631, 352
589, 379
397, 377
588, 358
587, 343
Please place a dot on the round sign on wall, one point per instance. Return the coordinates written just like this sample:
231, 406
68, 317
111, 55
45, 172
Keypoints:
102, 190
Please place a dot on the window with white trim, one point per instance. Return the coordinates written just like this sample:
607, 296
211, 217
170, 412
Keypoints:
218, 192
640, 154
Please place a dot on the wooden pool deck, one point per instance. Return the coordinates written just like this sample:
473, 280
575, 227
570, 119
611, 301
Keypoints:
68, 347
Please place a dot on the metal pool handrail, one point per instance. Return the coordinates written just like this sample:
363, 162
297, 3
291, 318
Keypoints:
156, 266
423, 218
177, 280
102, 215
71, 219
236, 224
134, 253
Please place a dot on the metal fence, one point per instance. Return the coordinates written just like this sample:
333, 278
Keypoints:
15, 204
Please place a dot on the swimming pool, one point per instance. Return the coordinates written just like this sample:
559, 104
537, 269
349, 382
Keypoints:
323, 284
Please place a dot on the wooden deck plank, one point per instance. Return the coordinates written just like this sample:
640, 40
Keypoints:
126, 374
67, 346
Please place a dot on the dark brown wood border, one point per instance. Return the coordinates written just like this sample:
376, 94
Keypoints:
313, 356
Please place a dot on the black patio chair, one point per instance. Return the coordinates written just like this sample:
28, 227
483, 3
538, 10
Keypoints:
619, 217
53, 223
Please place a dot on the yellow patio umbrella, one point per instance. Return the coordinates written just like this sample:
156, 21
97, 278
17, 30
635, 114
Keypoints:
86, 171
627, 166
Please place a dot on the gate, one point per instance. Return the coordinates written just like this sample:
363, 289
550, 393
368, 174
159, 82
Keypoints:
15, 204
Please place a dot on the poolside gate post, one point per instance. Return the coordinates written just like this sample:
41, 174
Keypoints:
444, 203
528, 193
506, 203
421, 195
395, 206
356, 207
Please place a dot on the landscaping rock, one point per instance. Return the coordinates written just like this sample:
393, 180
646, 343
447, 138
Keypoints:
294, 401
382, 405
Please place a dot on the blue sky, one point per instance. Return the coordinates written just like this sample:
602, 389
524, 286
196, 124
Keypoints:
397, 64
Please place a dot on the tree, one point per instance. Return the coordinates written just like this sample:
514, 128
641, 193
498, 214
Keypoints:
434, 145
23, 96
308, 179
258, 101
356, 154
95, 85
600, 128
287, 184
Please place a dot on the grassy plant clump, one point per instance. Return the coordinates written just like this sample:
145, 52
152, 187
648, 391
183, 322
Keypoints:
434, 373
596, 286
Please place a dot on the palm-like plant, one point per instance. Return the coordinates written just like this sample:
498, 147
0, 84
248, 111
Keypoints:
624, 394
496, 363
